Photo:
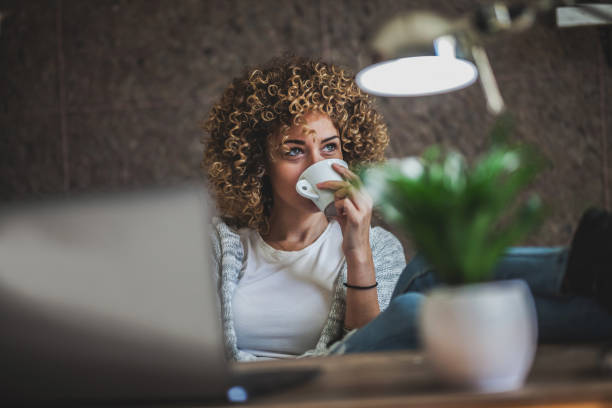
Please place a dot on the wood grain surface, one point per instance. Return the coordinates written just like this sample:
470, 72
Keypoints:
561, 376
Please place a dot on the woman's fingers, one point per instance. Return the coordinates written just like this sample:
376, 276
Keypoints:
351, 211
347, 190
346, 173
354, 209
350, 216
350, 178
332, 185
343, 189
339, 204
343, 193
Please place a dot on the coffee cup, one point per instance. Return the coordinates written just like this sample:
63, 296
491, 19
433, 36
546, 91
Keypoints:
317, 173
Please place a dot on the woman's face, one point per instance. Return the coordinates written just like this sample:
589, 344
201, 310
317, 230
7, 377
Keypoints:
317, 140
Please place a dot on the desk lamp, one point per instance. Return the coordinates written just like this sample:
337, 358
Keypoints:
430, 54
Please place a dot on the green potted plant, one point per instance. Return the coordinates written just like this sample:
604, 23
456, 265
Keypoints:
462, 218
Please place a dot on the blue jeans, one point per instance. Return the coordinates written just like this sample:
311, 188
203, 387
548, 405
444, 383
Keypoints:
560, 318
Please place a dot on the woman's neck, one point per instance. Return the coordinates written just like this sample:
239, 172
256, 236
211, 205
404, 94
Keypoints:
291, 232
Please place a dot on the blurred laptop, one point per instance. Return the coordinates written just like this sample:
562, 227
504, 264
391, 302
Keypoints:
110, 298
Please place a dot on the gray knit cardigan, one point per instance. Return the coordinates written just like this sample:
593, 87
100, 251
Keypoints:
228, 255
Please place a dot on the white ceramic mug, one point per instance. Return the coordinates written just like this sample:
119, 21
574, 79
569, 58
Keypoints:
317, 173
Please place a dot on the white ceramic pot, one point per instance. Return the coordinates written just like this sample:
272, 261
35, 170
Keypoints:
481, 336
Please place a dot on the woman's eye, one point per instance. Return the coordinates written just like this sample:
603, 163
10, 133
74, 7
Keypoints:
294, 151
330, 147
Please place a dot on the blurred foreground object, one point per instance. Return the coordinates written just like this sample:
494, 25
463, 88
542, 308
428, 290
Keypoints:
109, 299
481, 337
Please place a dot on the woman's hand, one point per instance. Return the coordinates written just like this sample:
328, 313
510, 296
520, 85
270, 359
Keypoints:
354, 209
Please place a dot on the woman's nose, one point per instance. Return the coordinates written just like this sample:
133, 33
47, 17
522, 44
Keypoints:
315, 156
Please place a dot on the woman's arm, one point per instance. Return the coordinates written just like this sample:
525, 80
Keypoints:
361, 304
354, 208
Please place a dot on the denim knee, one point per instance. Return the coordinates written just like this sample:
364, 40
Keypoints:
417, 276
400, 323
405, 307
394, 329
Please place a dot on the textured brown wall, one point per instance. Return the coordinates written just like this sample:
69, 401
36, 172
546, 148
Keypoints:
107, 93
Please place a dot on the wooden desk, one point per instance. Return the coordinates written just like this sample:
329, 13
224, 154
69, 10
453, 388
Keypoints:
565, 376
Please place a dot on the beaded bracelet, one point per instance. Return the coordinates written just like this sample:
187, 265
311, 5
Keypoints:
360, 287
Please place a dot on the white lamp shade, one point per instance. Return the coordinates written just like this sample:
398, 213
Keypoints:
416, 76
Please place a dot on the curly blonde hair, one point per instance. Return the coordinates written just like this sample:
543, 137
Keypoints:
269, 99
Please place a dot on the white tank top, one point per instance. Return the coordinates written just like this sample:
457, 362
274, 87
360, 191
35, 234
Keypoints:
283, 298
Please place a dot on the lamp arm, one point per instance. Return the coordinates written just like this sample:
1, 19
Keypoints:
495, 102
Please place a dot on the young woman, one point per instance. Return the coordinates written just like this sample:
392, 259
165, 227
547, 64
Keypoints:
292, 282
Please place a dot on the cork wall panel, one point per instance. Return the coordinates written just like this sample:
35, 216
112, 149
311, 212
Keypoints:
143, 52
28, 62
605, 106
31, 160
140, 75
565, 129
139, 148
555, 96
142, 69
417, 123
127, 55
544, 50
